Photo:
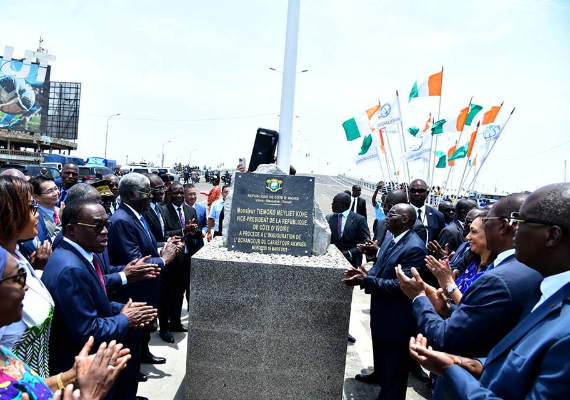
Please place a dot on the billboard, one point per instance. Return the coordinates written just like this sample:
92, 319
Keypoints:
24, 90
62, 116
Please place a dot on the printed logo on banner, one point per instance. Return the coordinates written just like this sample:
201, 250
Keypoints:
385, 110
274, 185
492, 132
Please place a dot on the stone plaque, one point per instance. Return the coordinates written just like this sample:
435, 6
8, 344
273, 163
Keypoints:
272, 214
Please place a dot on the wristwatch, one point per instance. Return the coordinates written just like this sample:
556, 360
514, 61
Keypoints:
450, 288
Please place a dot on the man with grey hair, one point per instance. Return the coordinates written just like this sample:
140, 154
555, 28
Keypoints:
130, 238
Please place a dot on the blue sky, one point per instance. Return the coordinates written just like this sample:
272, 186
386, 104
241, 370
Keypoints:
203, 63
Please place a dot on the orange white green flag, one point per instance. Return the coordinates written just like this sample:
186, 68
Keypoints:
430, 87
360, 125
452, 125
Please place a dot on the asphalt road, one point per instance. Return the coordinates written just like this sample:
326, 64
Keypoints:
166, 381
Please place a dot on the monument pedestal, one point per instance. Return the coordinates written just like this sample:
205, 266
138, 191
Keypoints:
266, 326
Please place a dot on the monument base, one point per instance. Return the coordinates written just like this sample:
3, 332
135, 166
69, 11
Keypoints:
266, 326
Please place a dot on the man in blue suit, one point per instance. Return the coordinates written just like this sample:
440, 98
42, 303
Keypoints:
491, 306
74, 278
432, 219
532, 360
130, 238
190, 197
391, 318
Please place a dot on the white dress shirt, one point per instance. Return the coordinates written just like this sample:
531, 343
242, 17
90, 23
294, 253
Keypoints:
550, 285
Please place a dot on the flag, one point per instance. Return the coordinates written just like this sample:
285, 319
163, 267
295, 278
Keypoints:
387, 115
440, 155
366, 143
452, 125
420, 151
490, 115
359, 125
369, 148
429, 123
488, 137
430, 87
458, 153
413, 130
472, 141
450, 152
473, 111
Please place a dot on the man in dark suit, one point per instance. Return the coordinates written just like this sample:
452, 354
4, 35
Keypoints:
357, 204
154, 217
453, 234
190, 197
347, 229
391, 318
491, 306
74, 278
431, 218
179, 220
532, 360
129, 239
69, 177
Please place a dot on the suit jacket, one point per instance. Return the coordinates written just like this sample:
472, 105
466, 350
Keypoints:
391, 316
51, 229
355, 231
458, 261
452, 234
197, 243
128, 240
530, 362
154, 225
360, 206
435, 221
380, 232
82, 308
174, 227
488, 310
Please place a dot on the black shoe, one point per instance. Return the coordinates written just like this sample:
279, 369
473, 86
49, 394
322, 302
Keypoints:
142, 377
367, 378
167, 336
351, 339
419, 373
179, 328
153, 326
150, 359
141, 398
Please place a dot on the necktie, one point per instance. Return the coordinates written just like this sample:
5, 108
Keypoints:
56, 218
99, 274
63, 196
181, 217
353, 208
145, 226
340, 225
155, 208
389, 249
420, 214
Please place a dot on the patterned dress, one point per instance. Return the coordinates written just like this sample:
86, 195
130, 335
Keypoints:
17, 378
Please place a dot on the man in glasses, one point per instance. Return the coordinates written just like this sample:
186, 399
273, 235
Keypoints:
391, 318
532, 360
130, 238
114, 186
155, 216
491, 306
432, 219
46, 193
74, 278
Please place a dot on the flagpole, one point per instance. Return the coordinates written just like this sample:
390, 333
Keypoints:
385, 154
407, 166
392, 157
489, 152
438, 118
465, 176
380, 162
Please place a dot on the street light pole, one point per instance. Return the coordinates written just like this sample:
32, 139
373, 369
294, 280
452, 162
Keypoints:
162, 162
107, 131
190, 158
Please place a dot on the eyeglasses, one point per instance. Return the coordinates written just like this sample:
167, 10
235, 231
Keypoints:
516, 219
98, 227
145, 194
418, 191
33, 207
392, 215
19, 278
52, 190
161, 189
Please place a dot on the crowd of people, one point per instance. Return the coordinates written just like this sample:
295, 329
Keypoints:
93, 266
478, 296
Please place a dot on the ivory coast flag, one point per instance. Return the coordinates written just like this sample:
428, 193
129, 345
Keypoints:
472, 141
360, 125
452, 125
449, 154
430, 87
490, 115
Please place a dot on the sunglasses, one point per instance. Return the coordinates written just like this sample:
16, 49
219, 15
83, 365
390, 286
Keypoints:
418, 191
19, 278
98, 227
516, 219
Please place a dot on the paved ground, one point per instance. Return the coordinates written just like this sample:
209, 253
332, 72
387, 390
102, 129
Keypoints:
167, 381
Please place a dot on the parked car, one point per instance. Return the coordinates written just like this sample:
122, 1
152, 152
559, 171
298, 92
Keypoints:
32, 170
89, 172
170, 172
